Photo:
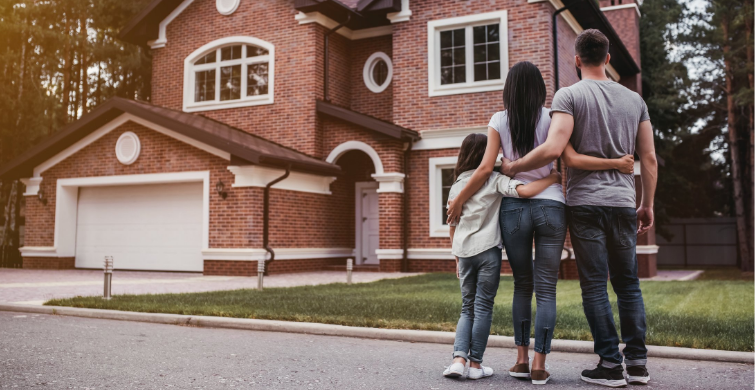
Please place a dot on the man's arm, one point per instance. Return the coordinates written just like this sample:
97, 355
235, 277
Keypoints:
480, 175
589, 163
560, 131
648, 177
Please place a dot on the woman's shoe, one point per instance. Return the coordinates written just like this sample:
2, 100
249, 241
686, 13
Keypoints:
455, 370
478, 373
520, 370
540, 377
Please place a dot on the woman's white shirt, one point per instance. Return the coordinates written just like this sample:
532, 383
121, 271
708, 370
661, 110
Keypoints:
500, 123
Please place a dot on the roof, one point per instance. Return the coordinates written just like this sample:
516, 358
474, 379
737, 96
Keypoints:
366, 121
244, 148
587, 13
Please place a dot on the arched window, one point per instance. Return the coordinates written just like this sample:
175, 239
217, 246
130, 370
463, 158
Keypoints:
229, 72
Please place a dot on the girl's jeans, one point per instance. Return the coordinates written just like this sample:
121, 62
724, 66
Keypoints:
479, 276
543, 220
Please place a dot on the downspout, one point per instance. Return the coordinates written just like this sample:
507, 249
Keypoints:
326, 96
405, 258
266, 218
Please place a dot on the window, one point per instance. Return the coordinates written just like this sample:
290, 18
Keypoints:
467, 54
227, 73
441, 180
378, 72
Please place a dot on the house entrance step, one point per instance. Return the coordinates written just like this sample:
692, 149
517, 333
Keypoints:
357, 268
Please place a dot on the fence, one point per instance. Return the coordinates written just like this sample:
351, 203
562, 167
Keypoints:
699, 242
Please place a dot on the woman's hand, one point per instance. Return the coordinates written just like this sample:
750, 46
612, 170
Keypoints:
454, 211
625, 164
457, 267
556, 176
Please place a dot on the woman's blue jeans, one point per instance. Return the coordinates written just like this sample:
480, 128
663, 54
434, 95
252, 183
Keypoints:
479, 276
543, 220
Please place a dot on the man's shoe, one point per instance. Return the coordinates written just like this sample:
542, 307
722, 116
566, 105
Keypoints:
637, 375
611, 377
478, 373
520, 370
540, 377
455, 370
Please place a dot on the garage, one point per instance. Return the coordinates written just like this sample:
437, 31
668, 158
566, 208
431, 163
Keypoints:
155, 227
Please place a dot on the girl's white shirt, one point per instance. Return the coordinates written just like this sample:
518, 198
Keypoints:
477, 230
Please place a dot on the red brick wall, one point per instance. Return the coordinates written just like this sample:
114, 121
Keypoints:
529, 38
249, 268
379, 105
298, 76
419, 206
48, 262
566, 69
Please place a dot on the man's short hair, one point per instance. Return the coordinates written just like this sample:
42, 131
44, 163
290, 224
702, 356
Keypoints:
592, 47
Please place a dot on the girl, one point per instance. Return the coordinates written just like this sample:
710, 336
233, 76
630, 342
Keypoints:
476, 244
516, 131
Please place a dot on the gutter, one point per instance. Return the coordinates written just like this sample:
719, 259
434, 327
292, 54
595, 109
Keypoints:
266, 218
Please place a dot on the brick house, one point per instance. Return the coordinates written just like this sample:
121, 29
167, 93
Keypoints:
300, 130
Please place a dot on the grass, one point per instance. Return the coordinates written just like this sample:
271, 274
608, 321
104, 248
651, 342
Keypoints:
696, 314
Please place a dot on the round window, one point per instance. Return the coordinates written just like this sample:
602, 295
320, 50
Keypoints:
378, 71
127, 148
227, 7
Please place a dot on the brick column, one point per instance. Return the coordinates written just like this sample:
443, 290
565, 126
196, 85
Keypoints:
391, 230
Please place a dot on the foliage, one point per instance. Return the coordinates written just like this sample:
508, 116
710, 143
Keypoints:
697, 314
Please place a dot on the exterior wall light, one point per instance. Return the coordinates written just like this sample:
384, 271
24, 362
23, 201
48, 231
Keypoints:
220, 189
41, 196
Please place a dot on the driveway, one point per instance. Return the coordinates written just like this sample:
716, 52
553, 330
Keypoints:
38, 286
57, 352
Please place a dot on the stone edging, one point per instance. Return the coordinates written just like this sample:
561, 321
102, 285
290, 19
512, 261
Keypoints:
422, 336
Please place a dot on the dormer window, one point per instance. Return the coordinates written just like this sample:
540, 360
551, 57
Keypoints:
228, 73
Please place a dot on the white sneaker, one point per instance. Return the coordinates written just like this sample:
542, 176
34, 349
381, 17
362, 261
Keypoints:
477, 373
455, 370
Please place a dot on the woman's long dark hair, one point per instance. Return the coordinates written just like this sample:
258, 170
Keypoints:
471, 153
523, 98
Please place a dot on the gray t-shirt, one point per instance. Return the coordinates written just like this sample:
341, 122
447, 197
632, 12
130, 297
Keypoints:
606, 118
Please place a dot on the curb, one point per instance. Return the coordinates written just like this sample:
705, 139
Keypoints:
420, 336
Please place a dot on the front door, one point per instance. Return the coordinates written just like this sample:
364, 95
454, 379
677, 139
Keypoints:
368, 223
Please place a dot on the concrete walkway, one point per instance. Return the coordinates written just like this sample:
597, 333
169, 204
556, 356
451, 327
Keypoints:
37, 286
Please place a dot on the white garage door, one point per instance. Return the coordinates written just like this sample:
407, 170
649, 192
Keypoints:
144, 227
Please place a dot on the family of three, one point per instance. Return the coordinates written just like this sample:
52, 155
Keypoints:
596, 126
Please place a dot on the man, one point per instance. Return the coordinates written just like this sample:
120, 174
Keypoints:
602, 118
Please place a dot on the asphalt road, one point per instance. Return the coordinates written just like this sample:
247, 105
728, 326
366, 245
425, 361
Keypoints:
55, 352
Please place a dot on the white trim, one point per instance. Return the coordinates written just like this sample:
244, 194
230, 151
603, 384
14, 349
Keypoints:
123, 159
162, 37
389, 254
32, 185
226, 11
647, 249
369, 66
433, 54
38, 251
259, 254
402, 16
356, 145
437, 228
390, 182
623, 6
114, 124
67, 204
358, 187
189, 105
445, 138
257, 176
316, 17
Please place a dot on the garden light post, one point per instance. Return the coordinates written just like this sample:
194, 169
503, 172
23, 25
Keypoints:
349, 269
260, 273
108, 277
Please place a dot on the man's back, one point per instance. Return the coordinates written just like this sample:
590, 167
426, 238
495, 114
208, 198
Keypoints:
606, 118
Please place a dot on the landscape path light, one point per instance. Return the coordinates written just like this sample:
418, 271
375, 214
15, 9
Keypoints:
349, 269
260, 273
108, 277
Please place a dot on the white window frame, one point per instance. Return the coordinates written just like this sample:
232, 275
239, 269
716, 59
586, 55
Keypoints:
434, 29
369, 66
437, 228
189, 70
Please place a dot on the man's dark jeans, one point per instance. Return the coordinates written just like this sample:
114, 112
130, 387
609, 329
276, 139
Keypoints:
605, 243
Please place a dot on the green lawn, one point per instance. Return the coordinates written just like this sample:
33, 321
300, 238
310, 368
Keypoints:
697, 314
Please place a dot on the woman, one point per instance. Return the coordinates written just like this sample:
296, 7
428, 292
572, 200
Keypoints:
517, 130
